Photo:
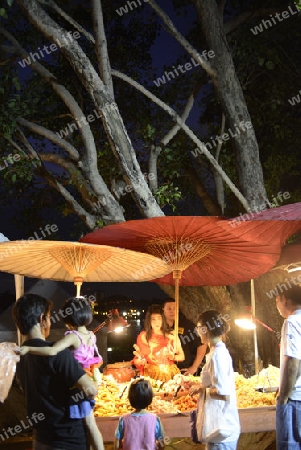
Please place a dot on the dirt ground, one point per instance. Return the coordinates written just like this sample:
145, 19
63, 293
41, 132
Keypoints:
252, 441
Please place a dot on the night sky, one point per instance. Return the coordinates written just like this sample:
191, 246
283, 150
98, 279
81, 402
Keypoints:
165, 52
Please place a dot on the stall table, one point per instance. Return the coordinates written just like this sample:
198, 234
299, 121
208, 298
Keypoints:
252, 420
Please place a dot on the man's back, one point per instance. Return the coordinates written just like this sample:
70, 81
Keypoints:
46, 382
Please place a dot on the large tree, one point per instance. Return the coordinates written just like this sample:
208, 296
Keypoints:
83, 83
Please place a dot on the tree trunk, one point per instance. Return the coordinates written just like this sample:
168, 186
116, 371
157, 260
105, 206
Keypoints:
109, 113
211, 206
234, 106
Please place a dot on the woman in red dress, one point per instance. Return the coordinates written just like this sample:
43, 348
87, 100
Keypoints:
155, 349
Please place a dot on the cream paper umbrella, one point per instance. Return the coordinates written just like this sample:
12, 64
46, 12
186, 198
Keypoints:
78, 262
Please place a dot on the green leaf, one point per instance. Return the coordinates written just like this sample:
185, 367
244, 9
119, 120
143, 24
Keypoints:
16, 83
261, 61
270, 65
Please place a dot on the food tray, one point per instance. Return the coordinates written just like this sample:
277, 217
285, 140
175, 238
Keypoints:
266, 390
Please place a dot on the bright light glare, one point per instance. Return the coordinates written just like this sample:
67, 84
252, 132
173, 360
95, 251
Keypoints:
118, 329
294, 269
247, 324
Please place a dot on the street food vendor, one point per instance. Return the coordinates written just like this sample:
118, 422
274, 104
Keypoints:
155, 349
191, 343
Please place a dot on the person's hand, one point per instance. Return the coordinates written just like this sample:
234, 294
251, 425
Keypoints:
170, 351
139, 359
24, 350
280, 400
195, 389
188, 370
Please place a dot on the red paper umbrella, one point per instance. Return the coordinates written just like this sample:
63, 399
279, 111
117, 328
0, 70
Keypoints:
290, 259
200, 250
273, 225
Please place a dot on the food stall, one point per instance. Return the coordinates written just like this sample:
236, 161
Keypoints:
172, 402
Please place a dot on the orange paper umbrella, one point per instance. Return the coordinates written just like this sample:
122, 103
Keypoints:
78, 262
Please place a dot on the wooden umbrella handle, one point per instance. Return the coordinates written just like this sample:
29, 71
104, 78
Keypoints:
78, 281
176, 275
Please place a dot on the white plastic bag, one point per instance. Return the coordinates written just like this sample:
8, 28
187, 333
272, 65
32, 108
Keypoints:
8, 363
215, 427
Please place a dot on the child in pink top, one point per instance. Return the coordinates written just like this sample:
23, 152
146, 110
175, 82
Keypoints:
140, 429
77, 314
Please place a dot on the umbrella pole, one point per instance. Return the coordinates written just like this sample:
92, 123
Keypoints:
19, 286
255, 330
176, 275
78, 281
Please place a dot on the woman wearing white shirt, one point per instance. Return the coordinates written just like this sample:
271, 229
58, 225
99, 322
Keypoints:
217, 377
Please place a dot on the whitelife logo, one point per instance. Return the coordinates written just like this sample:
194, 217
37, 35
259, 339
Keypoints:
167, 76
265, 24
15, 248
47, 50
295, 100
132, 5
12, 431
242, 127
9, 160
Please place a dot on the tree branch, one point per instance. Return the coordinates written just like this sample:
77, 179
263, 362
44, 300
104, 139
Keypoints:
201, 191
235, 22
152, 166
15, 145
53, 137
75, 175
180, 38
220, 192
29, 147
174, 130
87, 218
113, 123
101, 46
63, 93
156, 150
200, 145
68, 19
219, 145
91, 170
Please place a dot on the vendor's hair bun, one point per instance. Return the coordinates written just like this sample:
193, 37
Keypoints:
215, 322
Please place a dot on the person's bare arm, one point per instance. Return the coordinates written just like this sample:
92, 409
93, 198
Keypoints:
201, 352
179, 355
290, 373
216, 396
70, 340
86, 385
